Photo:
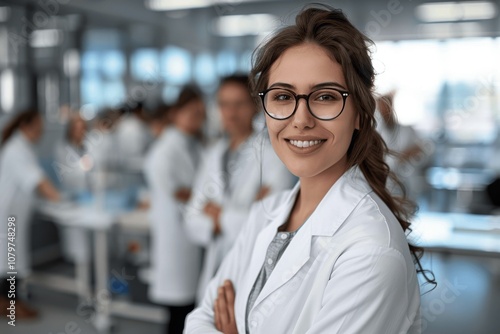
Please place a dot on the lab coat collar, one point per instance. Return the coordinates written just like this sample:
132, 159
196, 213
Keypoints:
337, 204
332, 211
21, 137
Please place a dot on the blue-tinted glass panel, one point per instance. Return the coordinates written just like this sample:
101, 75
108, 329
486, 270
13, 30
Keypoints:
145, 64
204, 70
113, 64
245, 62
90, 61
176, 65
170, 94
113, 93
227, 63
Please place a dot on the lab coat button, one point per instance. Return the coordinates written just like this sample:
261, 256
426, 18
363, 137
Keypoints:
253, 324
284, 236
270, 261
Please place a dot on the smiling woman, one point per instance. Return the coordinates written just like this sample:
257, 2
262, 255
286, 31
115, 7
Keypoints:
331, 255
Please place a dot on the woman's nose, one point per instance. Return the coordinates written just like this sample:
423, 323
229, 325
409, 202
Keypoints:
302, 118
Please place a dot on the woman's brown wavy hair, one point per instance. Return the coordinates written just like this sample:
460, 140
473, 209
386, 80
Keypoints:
22, 118
330, 29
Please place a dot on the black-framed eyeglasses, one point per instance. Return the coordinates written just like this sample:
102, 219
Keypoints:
325, 103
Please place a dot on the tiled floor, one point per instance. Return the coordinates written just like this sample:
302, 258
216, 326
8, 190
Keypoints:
467, 300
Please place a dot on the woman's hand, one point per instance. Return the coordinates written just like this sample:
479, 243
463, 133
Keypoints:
224, 309
183, 195
213, 211
263, 192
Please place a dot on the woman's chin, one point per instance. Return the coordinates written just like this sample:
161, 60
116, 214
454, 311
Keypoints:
303, 171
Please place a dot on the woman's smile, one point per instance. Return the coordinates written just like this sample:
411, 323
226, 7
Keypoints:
304, 145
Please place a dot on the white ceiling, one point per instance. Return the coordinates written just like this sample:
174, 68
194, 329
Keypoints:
191, 27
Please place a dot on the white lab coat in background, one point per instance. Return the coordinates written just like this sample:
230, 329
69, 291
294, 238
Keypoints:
20, 174
399, 139
347, 270
102, 149
257, 165
176, 261
69, 167
74, 179
132, 139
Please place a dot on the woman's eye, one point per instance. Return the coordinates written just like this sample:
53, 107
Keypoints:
282, 97
327, 97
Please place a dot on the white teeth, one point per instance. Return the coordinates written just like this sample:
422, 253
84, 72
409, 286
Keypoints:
300, 143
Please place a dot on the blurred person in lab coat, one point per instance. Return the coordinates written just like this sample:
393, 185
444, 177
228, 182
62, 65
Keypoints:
101, 146
72, 160
169, 168
21, 179
132, 138
72, 164
157, 121
331, 255
407, 156
237, 170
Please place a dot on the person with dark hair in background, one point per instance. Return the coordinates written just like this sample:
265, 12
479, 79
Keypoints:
331, 255
237, 170
169, 168
21, 179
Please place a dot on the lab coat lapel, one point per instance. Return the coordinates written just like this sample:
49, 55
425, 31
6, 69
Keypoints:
188, 147
328, 217
292, 260
222, 178
276, 217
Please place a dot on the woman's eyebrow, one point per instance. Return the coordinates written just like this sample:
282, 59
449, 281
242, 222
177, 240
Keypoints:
328, 84
320, 85
282, 84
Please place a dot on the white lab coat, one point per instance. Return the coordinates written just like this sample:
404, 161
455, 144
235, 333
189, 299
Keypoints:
257, 166
399, 139
20, 174
102, 147
347, 270
176, 261
70, 168
132, 139
74, 179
